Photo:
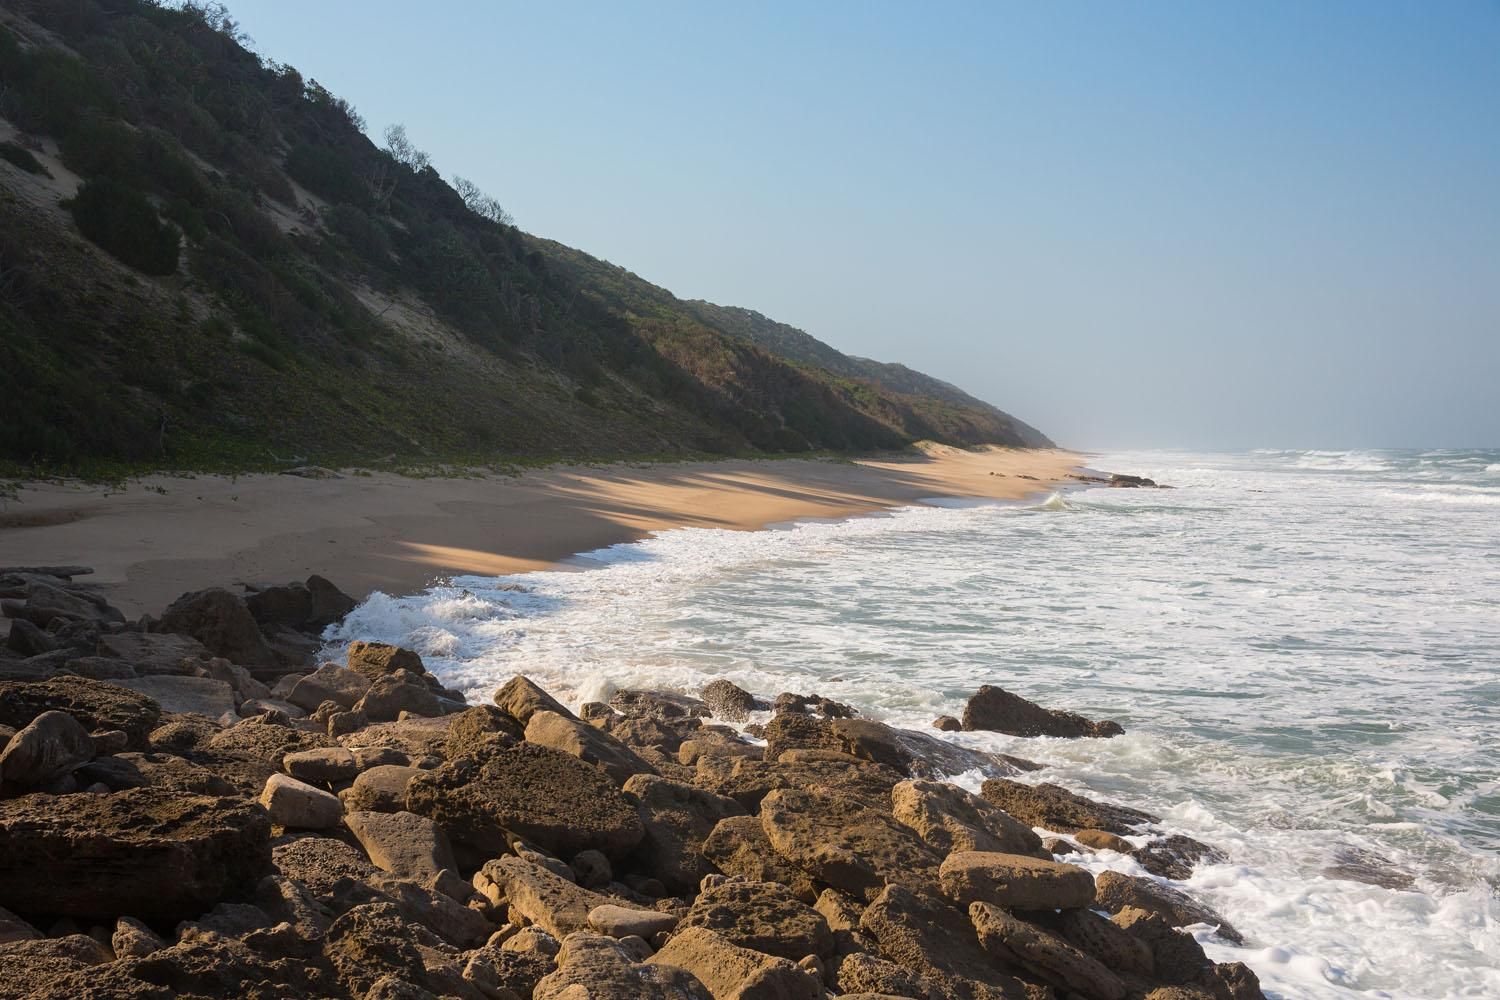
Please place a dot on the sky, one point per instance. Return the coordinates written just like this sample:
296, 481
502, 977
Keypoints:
1202, 225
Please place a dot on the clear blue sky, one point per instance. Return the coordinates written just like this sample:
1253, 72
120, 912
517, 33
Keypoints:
1197, 224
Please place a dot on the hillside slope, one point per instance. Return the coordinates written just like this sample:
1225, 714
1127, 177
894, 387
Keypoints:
205, 262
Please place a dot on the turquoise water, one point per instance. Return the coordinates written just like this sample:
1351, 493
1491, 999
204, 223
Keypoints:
1301, 645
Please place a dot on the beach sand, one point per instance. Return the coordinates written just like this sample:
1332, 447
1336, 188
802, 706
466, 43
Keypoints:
162, 536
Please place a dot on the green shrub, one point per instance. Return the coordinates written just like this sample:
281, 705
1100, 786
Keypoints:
121, 220
21, 156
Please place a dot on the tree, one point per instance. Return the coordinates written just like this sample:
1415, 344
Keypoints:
402, 150
480, 203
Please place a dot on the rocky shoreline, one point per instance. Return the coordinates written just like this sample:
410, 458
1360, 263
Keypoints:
191, 806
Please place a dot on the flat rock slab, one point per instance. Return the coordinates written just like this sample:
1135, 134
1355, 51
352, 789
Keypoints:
148, 853
198, 695
762, 916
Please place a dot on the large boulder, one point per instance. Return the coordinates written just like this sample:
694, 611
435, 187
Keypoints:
565, 733
296, 804
1052, 807
520, 697
949, 818
598, 967
1021, 945
149, 853
220, 620
97, 705
380, 789
376, 942
844, 844
729, 702
734, 973
677, 819
541, 795
739, 846
747, 780
153, 652
998, 710
551, 902
376, 659
761, 916
1014, 881
403, 843
926, 935
330, 682
52, 746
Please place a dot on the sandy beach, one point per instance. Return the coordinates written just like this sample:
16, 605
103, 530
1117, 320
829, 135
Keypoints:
161, 536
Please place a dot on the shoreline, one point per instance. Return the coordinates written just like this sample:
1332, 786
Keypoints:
167, 535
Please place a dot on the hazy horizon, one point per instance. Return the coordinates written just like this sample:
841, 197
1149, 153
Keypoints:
1164, 225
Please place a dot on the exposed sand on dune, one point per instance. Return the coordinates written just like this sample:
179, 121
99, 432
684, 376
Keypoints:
396, 534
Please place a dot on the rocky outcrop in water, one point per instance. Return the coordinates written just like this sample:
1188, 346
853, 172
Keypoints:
356, 830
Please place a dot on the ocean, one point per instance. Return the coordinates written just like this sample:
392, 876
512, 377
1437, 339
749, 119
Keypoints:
1303, 647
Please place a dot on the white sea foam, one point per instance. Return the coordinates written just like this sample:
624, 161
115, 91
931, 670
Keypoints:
1302, 654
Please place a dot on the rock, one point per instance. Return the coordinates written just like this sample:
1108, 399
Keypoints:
762, 916
1054, 808
747, 781
477, 726
532, 940
1014, 881
862, 975
28, 640
330, 682
322, 765
70, 604
153, 652
596, 967
329, 604
948, 819
220, 620
1176, 958
158, 770
147, 852
592, 870
1113, 947
843, 844
519, 698
196, 695
264, 740
374, 941
549, 901
924, 934
1103, 840
289, 604
542, 795
296, 804
507, 975
947, 724
403, 843
1175, 856
133, 939
731, 703
1352, 864
95, 705
997, 710
623, 921
1020, 945
802, 704
13, 929
100, 668
913, 754
376, 659
739, 846
320, 863
1115, 892
52, 746
380, 789
583, 741
677, 819
394, 693
734, 973
415, 737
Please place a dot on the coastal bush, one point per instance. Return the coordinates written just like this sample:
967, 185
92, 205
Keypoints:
122, 221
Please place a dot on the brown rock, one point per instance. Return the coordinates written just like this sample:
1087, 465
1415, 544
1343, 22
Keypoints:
322, 765
844, 844
542, 795
583, 741
519, 698
998, 710
374, 941
677, 820
549, 901
728, 702
377, 659
1047, 956
160, 770
626, 921
320, 863
762, 916
153, 652
1103, 840
1098, 937
391, 694
1175, 857
380, 789
194, 695
145, 852
926, 935
1116, 892
330, 682
220, 620
95, 705
597, 967
861, 974
1054, 808
739, 846
947, 724
296, 804
1014, 881
948, 819
48, 748
734, 973
403, 843
477, 726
